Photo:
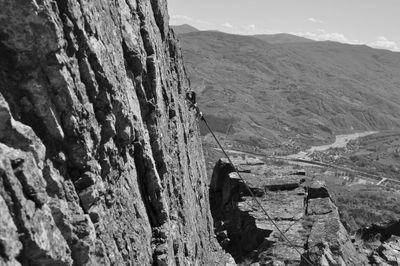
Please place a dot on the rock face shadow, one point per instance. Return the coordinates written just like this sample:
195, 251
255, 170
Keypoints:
236, 229
299, 206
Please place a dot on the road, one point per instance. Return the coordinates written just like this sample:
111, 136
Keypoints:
302, 158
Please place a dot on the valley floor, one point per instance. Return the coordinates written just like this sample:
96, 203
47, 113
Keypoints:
364, 190
331, 157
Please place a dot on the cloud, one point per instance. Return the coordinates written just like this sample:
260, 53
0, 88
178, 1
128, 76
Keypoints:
181, 17
322, 35
250, 29
383, 43
227, 25
314, 20
247, 30
242, 29
178, 19
200, 21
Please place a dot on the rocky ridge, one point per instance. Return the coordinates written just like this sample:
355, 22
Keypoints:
301, 207
100, 157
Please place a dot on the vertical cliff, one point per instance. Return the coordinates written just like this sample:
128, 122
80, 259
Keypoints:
100, 157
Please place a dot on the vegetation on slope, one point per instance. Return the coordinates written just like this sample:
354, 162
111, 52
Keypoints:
303, 92
361, 205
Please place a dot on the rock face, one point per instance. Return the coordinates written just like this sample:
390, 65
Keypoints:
299, 206
382, 243
100, 158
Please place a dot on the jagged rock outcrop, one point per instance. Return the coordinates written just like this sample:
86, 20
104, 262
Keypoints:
387, 252
299, 206
382, 243
100, 158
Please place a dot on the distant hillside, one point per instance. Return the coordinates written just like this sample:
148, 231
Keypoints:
263, 94
282, 38
182, 29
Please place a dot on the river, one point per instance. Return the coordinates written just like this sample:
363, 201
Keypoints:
340, 142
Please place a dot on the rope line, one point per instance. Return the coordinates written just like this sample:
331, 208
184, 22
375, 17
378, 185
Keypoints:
254, 196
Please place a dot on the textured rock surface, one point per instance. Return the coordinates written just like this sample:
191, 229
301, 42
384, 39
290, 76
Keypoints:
382, 243
100, 158
299, 206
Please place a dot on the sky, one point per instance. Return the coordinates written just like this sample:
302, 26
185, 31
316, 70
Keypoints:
372, 22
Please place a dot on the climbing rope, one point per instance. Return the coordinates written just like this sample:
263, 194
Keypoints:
253, 195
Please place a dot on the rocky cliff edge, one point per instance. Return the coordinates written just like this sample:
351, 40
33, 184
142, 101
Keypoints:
299, 205
100, 158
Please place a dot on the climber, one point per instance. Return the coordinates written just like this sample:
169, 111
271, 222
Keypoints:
191, 98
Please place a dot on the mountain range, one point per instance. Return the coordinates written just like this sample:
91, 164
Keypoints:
287, 91
184, 28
